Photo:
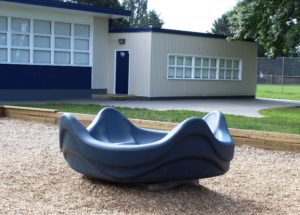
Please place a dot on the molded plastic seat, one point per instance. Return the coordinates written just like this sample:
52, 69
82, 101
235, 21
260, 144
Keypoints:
112, 148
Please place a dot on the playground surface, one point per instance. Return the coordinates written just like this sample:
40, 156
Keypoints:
35, 179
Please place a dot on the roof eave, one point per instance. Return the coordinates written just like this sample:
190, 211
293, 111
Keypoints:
172, 31
68, 7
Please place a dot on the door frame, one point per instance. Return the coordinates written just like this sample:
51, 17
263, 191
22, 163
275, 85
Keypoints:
115, 69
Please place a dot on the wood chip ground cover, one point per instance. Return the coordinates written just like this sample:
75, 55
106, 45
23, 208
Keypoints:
35, 179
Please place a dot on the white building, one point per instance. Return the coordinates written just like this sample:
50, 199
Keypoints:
51, 49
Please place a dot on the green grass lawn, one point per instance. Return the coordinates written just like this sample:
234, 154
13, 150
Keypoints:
291, 92
283, 120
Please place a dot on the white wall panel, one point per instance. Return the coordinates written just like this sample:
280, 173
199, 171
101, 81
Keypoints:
101, 56
139, 47
164, 44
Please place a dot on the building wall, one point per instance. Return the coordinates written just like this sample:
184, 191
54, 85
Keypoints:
44, 77
30, 76
163, 44
101, 56
139, 47
52, 17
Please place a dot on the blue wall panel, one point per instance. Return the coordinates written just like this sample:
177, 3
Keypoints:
44, 77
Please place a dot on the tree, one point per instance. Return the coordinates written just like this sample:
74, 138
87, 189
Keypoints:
221, 25
140, 16
139, 12
154, 20
272, 23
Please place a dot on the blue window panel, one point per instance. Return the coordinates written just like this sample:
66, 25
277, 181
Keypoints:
44, 77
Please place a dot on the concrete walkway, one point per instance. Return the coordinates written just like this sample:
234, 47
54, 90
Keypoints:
244, 107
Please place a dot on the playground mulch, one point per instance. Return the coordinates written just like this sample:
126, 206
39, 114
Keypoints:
35, 179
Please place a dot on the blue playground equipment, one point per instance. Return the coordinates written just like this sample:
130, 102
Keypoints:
112, 148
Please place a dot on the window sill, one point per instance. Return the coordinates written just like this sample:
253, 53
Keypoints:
45, 64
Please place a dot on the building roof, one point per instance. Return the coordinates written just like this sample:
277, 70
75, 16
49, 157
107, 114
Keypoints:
168, 31
110, 12
171, 31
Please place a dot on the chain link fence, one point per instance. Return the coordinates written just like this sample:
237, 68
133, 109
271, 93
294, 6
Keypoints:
279, 71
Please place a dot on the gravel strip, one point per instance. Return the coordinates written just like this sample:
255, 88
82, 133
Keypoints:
35, 179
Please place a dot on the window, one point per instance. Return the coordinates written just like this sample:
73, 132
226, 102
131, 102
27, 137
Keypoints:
180, 67
20, 55
236, 70
188, 66
81, 44
42, 42
222, 69
40, 56
3, 39
171, 70
205, 68
62, 51
3, 55
229, 69
20, 29
61, 57
213, 68
37, 41
81, 58
198, 63
3, 31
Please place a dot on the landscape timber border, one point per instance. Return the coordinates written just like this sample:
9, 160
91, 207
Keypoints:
258, 139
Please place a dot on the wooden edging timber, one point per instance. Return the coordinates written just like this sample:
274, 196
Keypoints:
34, 114
258, 139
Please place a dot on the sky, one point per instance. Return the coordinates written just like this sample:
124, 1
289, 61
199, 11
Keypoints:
190, 15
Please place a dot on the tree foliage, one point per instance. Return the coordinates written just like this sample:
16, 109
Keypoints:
154, 20
221, 25
140, 16
275, 24
139, 13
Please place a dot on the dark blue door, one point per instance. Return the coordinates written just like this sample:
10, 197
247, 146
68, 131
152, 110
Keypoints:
122, 70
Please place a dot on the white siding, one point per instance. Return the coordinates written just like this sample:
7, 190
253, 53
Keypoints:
101, 56
28, 11
139, 47
164, 44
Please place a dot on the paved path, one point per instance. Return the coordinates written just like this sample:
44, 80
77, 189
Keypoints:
244, 107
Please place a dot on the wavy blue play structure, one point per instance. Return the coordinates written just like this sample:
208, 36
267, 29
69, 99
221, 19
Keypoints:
112, 148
